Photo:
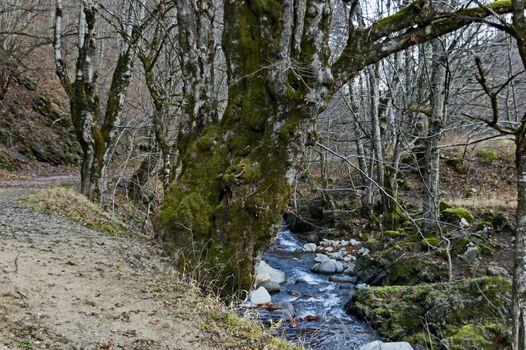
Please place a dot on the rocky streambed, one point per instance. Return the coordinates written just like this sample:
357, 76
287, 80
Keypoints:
309, 286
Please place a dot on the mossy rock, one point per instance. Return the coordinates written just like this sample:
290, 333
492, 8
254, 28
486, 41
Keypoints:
393, 233
485, 226
488, 155
7, 164
458, 165
444, 206
500, 219
457, 214
455, 313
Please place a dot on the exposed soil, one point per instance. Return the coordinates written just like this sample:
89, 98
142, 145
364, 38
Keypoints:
64, 286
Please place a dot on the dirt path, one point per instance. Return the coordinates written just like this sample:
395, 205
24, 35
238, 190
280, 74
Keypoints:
64, 286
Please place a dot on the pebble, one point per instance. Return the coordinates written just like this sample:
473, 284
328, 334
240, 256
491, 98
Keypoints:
309, 247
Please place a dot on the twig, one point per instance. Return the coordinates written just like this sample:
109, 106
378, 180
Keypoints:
16, 263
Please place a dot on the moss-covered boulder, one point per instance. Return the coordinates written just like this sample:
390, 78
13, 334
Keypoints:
457, 214
487, 156
469, 314
398, 265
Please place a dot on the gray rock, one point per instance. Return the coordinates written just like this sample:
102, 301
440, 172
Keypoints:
496, 271
260, 296
361, 286
270, 286
327, 267
338, 279
287, 306
350, 269
363, 251
338, 267
283, 314
353, 242
321, 258
378, 345
472, 252
309, 247
314, 268
274, 274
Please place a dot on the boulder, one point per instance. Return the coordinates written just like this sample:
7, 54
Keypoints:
378, 345
260, 296
496, 271
274, 274
270, 286
309, 247
327, 267
321, 258
262, 277
285, 305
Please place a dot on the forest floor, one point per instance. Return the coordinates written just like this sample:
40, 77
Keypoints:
65, 286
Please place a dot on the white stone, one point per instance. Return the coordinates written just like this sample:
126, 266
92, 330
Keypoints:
262, 277
260, 296
354, 242
363, 251
338, 266
274, 274
309, 247
361, 286
464, 223
321, 258
378, 345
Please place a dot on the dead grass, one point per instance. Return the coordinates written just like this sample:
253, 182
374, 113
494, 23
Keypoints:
67, 202
485, 202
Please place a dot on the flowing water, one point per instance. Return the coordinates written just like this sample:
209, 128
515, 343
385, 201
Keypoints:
313, 294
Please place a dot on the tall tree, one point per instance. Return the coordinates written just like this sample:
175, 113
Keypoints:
225, 207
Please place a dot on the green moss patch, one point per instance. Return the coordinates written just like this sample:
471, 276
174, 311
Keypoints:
458, 214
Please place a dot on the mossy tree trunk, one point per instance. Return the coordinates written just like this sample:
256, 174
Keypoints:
225, 206
519, 272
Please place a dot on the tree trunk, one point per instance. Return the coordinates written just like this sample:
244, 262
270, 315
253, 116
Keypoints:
431, 203
225, 208
519, 272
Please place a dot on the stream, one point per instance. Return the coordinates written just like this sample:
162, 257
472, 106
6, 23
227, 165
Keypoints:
312, 294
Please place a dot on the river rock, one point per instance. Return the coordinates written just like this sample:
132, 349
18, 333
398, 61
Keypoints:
283, 314
271, 286
361, 286
339, 279
350, 269
260, 296
353, 242
327, 267
287, 306
338, 266
262, 277
274, 274
378, 345
309, 247
321, 258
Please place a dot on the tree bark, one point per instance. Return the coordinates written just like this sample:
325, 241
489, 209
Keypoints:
431, 203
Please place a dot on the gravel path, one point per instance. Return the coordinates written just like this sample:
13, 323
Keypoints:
64, 286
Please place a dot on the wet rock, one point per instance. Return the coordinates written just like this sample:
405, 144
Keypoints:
350, 269
327, 267
260, 296
339, 279
271, 286
338, 266
361, 286
321, 258
364, 251
378, 345
274, 274
262, 277
285, 305
283, 314
309, 247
